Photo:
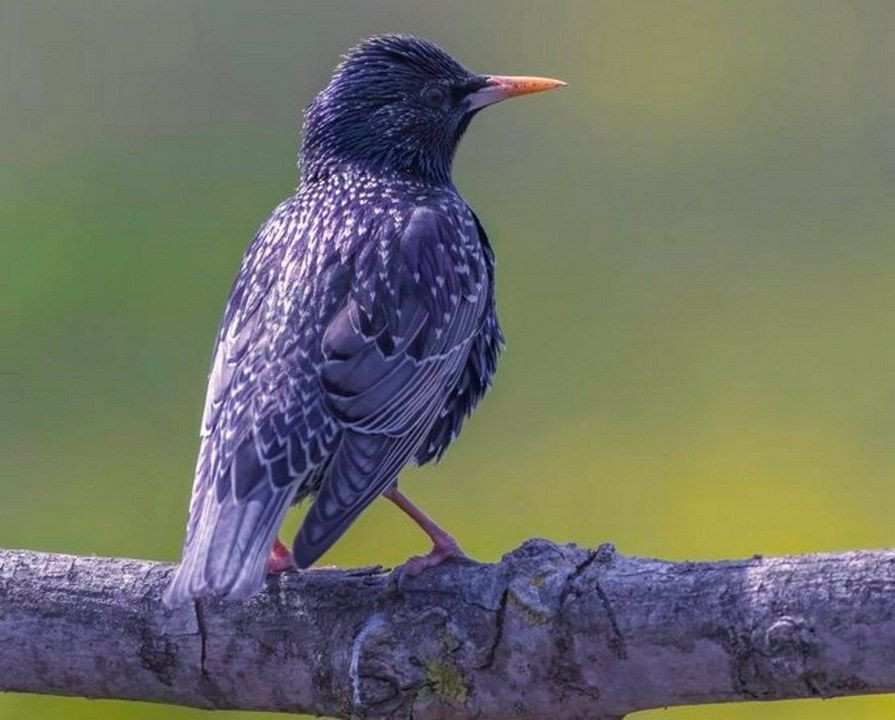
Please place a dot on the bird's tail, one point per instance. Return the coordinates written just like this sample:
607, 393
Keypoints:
228, 541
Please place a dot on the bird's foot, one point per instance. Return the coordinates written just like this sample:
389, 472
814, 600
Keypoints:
443, 549
280, 559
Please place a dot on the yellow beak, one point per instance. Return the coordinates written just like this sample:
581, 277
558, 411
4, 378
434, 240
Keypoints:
501, 87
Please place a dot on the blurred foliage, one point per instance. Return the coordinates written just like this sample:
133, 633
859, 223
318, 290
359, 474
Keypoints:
696, 274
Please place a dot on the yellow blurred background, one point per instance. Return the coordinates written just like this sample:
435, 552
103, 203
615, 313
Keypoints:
696, 275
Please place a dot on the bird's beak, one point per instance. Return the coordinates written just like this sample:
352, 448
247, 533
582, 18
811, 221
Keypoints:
501, 87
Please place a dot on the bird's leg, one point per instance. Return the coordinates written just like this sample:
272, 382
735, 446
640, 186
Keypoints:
443, 545
280, 558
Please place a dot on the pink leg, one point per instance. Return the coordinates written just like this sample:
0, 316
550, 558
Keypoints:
443, 545
280, 558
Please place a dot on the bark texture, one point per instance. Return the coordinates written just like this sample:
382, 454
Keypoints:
551, 632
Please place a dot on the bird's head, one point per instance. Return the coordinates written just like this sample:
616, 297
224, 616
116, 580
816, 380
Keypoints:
400, 104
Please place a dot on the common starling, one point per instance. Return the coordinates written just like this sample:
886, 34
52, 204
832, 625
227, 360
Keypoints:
360, 330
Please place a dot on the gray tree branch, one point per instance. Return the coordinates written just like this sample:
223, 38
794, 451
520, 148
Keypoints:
549, 633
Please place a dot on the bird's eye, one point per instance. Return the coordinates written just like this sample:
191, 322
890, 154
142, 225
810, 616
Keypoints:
434, 95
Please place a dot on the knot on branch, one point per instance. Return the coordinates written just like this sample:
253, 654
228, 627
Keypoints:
389, 674
787, 648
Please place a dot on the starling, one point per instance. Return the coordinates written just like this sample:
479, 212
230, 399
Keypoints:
360, 330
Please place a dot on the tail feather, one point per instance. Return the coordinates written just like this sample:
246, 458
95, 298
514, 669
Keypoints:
227, 554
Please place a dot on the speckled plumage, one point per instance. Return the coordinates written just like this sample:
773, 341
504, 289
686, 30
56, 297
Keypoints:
359, 333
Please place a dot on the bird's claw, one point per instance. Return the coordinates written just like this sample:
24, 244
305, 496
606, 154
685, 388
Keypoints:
280, 559
415, 565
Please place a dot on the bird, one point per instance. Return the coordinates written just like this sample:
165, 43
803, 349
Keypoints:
361, 327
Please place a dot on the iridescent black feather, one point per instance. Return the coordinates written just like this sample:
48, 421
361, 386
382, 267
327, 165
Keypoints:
360, 330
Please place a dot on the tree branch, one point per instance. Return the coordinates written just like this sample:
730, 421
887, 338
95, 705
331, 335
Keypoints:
549, 633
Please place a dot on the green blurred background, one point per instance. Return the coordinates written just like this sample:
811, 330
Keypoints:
696, 274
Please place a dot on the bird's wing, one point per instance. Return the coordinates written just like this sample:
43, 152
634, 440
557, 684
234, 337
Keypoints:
263, 430
475, 379
393, 354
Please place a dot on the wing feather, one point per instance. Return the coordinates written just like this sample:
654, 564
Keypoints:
387, 381
388, 361
257, 443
